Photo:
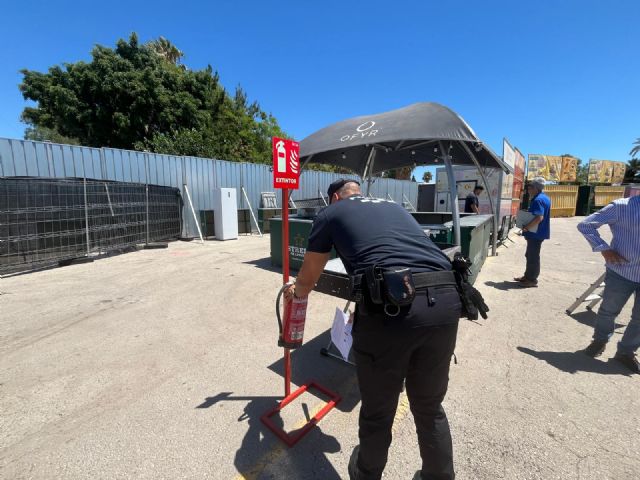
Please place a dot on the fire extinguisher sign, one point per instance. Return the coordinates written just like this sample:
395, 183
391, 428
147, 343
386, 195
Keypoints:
286, 163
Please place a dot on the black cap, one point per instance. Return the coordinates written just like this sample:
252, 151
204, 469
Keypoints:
337, 185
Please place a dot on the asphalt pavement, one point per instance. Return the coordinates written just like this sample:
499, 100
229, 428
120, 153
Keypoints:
159, 363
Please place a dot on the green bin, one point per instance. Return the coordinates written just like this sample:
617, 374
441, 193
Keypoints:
475, 237
299, 230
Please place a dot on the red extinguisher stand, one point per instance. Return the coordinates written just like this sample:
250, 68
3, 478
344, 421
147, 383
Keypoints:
285, 280
291, 439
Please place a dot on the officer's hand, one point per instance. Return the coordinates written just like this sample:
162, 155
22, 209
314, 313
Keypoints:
289, 292
613, 257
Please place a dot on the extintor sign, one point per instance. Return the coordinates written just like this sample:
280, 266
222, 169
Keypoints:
286, 163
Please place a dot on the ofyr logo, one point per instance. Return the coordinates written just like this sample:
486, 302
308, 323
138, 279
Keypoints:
363, 130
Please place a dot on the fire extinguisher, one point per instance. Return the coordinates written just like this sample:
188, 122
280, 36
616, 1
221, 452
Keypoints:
292, 327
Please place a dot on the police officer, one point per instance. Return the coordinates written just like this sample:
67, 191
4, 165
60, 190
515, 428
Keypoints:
392, 345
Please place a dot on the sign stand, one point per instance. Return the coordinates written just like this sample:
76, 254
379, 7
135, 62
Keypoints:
285, 280
290, 439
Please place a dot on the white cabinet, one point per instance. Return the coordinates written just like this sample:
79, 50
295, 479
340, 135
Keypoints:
225, 215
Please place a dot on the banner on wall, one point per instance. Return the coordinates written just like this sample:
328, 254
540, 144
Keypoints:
508, 155
569, 169
552, 168
518, 174
467, 178
606, 171
619, 169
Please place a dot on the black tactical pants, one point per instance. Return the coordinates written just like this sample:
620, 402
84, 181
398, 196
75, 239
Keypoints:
385, 357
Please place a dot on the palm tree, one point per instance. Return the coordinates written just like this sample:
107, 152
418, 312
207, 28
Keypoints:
635, 150
633, 168
167, 50
427, 176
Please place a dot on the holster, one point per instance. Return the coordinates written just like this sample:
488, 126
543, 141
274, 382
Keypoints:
391, 287
399, 289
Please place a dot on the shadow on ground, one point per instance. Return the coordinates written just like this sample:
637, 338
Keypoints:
589, 318
307, 459
505, 285
260, 447
573, 362
265, 264
307, 363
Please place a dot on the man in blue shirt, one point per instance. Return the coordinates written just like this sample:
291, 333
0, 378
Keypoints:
540, 206
622, 259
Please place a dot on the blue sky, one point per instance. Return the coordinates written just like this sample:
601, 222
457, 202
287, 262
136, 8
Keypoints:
553, 77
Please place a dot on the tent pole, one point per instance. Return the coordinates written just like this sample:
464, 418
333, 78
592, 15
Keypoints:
368, 168
304, 164
453, 194
494, 242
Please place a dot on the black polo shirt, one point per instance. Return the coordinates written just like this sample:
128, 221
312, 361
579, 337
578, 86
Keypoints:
373, 231
472, 199
367, 231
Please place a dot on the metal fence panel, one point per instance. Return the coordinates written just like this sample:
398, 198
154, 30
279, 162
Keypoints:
202, 175
44, 221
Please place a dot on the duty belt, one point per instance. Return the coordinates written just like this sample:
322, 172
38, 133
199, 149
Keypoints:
421, 280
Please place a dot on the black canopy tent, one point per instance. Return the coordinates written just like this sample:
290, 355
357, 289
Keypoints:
419, 134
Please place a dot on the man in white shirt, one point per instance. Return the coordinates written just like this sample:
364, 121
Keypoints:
622, 259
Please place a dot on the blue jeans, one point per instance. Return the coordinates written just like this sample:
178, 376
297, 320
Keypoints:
617, 291
533, 259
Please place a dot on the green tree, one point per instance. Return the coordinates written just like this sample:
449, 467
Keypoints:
427, 176
403, 173
44, 134
582, 172
139, 96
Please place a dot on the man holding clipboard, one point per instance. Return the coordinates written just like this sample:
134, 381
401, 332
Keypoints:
535, 226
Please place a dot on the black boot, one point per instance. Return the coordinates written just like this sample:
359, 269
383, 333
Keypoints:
595, 348
628, 360
353, 464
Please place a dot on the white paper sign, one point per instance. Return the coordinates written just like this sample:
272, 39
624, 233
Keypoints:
524, 218
341, 333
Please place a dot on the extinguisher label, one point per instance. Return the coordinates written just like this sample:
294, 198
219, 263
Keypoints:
295, 315
286, 163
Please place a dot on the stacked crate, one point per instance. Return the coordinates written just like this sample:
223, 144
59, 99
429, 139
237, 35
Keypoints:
604, 195
563, 200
